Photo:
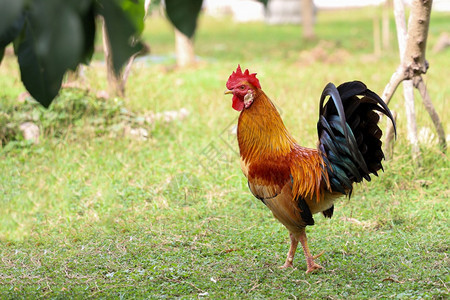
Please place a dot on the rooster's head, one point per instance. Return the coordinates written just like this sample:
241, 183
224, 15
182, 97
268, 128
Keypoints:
243, 87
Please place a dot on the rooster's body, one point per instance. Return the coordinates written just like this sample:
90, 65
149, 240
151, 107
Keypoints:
295, 182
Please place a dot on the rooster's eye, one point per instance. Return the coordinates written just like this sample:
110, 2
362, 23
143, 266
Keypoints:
242, 87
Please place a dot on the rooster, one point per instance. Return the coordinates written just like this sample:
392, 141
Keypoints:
295, 182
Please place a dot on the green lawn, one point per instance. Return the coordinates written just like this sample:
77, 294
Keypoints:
93, 212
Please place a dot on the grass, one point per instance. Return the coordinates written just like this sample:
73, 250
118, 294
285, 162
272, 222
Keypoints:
93, 212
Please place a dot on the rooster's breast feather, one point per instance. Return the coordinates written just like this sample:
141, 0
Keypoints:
291, 186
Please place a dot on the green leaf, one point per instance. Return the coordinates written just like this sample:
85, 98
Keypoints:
135, 10
263, 2
10, 10
86, 11
34, 75
183, 14
121, 30
81, 6
52, 43
10, 33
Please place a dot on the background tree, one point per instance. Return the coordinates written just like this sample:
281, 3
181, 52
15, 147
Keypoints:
117, 80
408, 88
307, 11
183, 15
51, 37
413, 63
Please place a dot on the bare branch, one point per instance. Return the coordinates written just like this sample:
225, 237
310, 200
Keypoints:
420, 85
408, 89
392, 85
413, 65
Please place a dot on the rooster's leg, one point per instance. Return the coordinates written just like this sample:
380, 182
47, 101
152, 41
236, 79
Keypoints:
312, 266
291, 253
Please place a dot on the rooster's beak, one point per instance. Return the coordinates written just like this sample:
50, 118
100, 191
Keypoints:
228, 92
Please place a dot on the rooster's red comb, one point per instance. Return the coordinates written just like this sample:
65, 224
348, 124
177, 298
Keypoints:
237, 77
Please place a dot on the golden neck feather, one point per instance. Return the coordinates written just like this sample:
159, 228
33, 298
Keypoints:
261, 131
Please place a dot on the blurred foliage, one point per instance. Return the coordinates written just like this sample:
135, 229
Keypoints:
183, 14
51, 37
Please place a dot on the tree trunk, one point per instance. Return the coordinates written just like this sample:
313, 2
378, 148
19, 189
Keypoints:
307, 12
184, 49
408, 89
413, 63
385, 32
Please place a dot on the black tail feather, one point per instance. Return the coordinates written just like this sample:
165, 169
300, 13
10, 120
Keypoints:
349, 137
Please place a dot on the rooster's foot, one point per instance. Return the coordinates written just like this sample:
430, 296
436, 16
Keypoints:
286, 266
313, 267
